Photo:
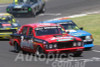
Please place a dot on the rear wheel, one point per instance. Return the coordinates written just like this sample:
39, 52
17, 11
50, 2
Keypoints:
16, 47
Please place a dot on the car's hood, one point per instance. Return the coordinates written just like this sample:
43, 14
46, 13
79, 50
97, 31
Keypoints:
57, 38
78, 33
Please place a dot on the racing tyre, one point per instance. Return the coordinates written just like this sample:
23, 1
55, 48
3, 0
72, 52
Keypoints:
43, 10
39, 52
24, 52
89, 48
78, 54
16, 47
33, 14
70, 55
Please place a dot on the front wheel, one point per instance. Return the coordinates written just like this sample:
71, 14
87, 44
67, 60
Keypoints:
39, 52
33, 14
43, 10
78, 54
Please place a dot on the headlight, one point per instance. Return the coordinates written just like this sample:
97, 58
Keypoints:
29, 9
79, 44
46, 46
91, 37
88, 37
15, 24
51, 46
74, 44
55, 45
7, 9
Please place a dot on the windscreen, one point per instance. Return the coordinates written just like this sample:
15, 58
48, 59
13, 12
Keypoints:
49, 31
6, 19
70, 26
24, 1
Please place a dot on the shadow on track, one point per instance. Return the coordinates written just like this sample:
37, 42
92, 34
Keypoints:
26, 15
4, 39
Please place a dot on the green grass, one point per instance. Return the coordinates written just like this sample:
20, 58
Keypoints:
5, 1
91, 23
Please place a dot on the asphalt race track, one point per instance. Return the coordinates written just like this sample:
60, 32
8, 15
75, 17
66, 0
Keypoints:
55, 8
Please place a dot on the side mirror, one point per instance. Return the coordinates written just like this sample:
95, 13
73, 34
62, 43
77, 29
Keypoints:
81, 28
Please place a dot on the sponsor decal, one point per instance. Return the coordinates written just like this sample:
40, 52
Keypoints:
37, 40
26, 43
6, 24
41, 28
62, 38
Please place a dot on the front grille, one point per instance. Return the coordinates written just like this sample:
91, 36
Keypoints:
17, 9
65, 45
82, 37
88, 42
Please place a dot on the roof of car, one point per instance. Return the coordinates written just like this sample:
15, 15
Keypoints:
5, 14
35, 25
56, 21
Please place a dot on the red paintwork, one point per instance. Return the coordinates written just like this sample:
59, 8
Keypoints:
48, 38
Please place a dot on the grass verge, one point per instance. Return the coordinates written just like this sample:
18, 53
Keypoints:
91, 24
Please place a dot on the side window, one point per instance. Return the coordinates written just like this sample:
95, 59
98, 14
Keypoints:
24, 31
30, 33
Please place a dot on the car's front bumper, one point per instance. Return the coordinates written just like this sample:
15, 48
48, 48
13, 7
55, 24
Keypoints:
88, 45
65, 50
19, 12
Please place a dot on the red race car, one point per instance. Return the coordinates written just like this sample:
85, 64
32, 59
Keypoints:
45, 38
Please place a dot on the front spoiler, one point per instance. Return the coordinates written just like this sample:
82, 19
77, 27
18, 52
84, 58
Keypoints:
74, 49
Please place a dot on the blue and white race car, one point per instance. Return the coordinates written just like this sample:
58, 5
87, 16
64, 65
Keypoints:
74, 30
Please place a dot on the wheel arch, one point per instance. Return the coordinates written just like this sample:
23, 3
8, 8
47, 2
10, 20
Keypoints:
16, 41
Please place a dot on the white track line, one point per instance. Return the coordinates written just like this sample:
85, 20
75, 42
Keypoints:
3, 5
74, 16
96, 51
52, 14
78, 15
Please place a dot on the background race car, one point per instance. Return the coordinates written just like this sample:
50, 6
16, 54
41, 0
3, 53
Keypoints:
30, 7
74, 30
8, 25
8, 18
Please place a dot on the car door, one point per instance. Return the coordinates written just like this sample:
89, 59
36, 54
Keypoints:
35, 6
23, 38
29, 38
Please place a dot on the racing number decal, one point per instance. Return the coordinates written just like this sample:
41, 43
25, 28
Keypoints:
28, 44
